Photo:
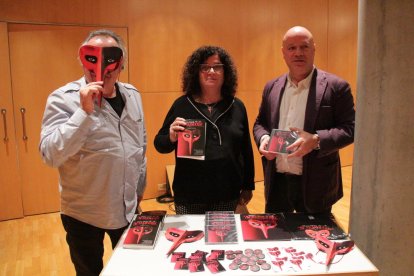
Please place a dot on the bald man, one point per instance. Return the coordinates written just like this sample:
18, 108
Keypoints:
317, 105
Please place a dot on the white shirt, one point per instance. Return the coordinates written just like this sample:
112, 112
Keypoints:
292, 114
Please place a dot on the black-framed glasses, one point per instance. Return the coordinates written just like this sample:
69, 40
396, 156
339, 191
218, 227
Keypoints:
217, 68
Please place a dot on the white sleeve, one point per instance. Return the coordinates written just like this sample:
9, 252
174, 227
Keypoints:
64, 128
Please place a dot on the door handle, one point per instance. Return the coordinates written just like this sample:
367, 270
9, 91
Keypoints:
23, 112
3, 113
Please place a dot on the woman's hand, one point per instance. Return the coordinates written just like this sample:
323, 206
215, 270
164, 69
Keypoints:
175, 127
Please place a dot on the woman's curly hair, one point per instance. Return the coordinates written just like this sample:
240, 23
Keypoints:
190, 78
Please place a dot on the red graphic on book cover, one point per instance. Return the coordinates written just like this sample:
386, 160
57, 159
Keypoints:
191, 136
218, 233
277, 145
141, 231
252, 223
280, 140
100, 61
191, 141
263, 225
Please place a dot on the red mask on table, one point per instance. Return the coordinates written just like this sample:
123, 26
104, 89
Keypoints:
179, 236
331, 248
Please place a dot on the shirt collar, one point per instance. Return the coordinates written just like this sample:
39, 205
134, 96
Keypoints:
305, 83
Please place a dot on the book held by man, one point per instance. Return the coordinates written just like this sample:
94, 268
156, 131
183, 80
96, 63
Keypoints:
191, 141
280, 140
143, 230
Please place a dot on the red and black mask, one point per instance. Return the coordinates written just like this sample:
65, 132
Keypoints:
100, 60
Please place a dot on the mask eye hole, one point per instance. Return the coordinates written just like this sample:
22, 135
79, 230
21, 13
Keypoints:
91, 59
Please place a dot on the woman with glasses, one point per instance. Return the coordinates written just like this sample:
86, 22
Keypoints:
224, 176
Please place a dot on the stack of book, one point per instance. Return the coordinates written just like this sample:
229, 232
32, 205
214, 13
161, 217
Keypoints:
220, 227
143, 230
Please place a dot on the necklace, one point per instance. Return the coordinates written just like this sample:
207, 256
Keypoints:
210, 106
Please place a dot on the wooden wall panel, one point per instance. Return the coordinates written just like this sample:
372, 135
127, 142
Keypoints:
252, 106
11, 205
162, 34
310, 14
257, 53
156, 106
77, 12
342, 51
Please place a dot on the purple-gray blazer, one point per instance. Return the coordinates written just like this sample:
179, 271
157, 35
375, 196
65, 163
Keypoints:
330, 113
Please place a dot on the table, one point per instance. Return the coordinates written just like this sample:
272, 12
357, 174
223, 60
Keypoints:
155, 262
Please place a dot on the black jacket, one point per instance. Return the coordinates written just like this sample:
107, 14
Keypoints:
228, 167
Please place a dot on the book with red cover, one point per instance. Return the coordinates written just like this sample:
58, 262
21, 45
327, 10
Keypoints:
192, 140
264, 227
143, 231
280, 140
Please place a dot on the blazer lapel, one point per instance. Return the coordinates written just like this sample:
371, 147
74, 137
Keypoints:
316, 92
276, 97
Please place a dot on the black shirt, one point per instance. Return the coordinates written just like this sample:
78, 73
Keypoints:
117, 102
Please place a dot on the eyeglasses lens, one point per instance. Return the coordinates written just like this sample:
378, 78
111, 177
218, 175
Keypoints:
217, 68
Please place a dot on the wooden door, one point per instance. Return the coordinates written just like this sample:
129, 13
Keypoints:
10, 190
43, 58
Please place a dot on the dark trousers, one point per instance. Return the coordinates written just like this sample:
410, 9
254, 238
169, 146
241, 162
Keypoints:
287, 195
86, 244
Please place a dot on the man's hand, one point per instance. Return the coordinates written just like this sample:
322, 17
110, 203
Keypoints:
306, 143
88, 94
262, 149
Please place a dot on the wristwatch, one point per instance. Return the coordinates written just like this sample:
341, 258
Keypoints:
318, 145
